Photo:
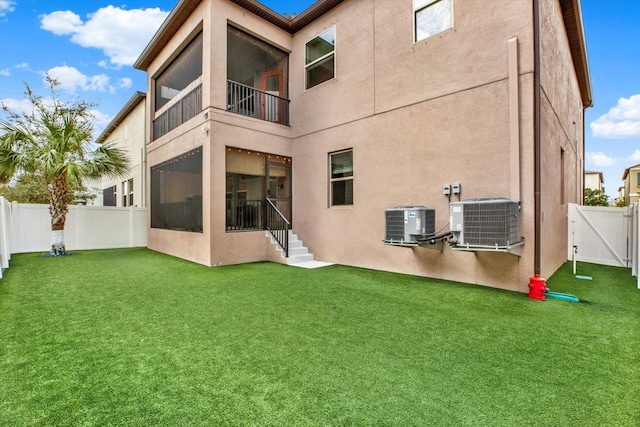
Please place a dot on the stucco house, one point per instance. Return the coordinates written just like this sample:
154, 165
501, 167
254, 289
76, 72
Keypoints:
631, 189
324, 123
127, 131
594, 180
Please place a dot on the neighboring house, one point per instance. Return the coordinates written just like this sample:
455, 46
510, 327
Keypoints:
354, 107
631, 179
127, 131
593, 180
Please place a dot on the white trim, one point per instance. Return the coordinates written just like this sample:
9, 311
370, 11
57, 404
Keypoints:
318, 60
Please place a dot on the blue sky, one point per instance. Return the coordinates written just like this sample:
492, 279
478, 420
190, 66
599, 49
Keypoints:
90, 47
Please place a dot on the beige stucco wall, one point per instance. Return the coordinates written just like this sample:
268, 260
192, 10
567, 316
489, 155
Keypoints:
129, 135
592, 180
417, 116
631, 189
214, 130
562, 129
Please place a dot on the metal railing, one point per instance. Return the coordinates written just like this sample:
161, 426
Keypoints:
245, 215
184, 109
278, 226
248, 101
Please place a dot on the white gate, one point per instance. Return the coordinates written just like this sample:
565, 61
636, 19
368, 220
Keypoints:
604, 235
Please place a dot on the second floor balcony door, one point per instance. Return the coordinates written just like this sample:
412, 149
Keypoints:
272, 84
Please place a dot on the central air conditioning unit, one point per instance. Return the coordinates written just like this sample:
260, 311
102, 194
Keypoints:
485, 222
406, 223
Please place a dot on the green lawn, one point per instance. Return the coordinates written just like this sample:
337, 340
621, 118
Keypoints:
136, 338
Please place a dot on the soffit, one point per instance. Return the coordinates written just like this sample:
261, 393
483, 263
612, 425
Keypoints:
572, 16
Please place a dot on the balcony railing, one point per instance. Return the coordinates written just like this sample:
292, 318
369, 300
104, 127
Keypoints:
184, 109
245, 215
248, 101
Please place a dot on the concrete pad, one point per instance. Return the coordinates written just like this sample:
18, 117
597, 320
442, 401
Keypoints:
311, 264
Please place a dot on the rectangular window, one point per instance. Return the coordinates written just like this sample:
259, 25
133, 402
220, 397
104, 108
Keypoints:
127, 193
176, 193
341, 178
432, 17
109, 196
320, 58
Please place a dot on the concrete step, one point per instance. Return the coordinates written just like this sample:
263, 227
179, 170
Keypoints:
297, 251
297, 259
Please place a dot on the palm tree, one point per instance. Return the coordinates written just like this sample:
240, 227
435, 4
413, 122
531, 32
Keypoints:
54, 140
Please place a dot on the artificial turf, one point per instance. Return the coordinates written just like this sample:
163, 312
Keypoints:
136, 338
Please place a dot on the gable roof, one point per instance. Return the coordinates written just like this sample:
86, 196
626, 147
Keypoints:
571, 14
627, 170
136, 99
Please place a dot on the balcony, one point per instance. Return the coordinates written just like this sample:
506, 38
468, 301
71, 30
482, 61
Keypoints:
178, 113
251, 102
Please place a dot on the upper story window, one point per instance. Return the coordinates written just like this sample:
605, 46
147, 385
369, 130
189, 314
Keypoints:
320, 58
432, 17
183, 71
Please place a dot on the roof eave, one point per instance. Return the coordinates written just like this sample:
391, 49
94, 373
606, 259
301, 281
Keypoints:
128, 108
185, 8
572, 16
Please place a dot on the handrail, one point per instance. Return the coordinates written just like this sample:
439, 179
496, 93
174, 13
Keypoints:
278, 226
249, 101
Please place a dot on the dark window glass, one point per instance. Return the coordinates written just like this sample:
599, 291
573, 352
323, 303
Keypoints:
109, 196
186, 68
320, 58
341, 180
176, 193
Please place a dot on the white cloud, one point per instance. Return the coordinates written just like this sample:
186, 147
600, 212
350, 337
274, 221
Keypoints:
5, 72
100, 119
635, 157
622, 121
600, 159
71, 79
23, 65
121, 34
125, 83
61, 22
6, 6
17, 105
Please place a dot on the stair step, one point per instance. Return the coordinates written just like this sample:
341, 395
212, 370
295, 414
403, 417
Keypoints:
295, 259
298, 251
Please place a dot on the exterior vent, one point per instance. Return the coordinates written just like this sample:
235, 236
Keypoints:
405, 223
486, 222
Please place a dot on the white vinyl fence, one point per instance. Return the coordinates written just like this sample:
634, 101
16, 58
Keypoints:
604, 235
27, 228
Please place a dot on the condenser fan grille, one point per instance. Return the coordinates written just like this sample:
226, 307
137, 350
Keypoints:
489, 224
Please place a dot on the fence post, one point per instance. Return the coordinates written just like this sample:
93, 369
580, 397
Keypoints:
131, 227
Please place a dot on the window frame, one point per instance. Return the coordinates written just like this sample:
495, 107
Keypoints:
322, 58
417, 10
339, 179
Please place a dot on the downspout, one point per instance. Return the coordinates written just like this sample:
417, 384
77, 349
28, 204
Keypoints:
537, 157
